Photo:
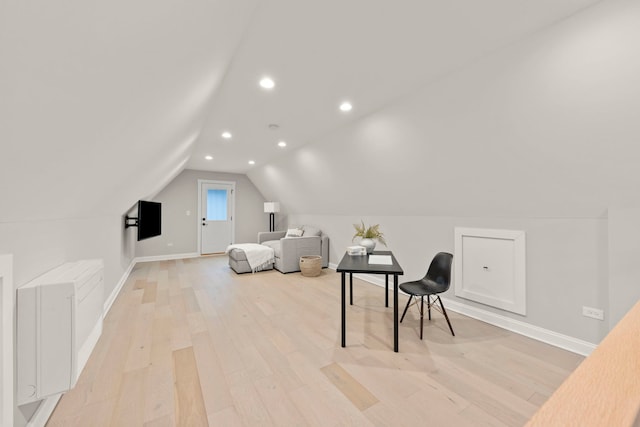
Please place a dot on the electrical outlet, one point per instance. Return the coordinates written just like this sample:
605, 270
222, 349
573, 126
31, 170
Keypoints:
169, 244
595, 313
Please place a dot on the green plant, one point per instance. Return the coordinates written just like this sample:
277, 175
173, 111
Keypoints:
372, 232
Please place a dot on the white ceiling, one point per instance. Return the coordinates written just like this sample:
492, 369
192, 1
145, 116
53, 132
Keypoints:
371, 53
102, 104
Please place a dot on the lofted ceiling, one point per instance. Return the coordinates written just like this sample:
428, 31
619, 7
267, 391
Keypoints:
101, 102
104, 103
370, 53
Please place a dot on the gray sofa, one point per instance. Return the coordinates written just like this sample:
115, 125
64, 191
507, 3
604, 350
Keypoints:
288, 250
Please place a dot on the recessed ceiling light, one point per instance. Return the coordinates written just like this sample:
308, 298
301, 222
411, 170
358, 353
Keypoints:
208, 157
282, 144
346, 106
267, 83
226, 135
251, 162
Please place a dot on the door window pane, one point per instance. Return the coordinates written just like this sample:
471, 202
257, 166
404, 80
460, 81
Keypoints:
216, 205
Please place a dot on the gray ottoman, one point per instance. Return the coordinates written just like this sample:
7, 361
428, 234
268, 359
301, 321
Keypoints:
238, 262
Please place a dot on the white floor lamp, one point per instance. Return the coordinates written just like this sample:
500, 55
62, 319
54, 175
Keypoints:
271, 208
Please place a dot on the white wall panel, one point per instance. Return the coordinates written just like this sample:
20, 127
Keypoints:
490, 267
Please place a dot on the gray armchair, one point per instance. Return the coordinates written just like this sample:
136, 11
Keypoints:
288, 250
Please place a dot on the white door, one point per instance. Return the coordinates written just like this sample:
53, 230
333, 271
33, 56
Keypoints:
216, 216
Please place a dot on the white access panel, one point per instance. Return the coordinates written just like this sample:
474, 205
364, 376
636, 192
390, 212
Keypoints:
59, 320
490, 267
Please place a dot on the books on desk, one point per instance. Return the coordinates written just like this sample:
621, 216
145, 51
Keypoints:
356, 250
380, 259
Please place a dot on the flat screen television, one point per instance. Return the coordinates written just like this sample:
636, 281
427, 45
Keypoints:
149, 219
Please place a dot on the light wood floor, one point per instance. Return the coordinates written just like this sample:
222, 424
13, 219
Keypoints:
191, 343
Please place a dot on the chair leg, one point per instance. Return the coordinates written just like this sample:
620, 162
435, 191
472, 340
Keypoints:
405, 309
429, 305
421, 314
445, 315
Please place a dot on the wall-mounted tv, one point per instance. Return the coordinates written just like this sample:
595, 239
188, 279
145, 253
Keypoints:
149, 219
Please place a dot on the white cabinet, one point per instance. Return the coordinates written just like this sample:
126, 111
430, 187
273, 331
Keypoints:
59, 321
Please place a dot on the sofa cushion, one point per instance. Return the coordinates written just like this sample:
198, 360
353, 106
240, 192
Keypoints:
275, 245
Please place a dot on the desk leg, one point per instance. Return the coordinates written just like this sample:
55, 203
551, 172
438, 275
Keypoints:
395, 313
350, 288
386, 290
344, 311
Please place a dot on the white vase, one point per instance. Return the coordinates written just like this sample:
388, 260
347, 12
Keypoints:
370, 244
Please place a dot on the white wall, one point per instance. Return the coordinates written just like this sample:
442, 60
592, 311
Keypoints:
39, 246
542, 136
180, 230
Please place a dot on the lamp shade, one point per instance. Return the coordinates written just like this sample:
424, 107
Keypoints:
270, 207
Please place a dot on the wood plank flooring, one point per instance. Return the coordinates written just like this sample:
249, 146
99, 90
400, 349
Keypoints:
191, 343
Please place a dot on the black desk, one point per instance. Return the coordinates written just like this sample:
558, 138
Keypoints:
360, 264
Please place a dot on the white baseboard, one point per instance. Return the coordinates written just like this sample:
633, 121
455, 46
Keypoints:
166, 257
566, 342
109, 302
88, 346
44, 411
556, 339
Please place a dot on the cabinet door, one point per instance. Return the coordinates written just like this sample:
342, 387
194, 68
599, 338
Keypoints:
55, 350
26, 345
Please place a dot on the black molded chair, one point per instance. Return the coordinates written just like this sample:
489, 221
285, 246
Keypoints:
436, 281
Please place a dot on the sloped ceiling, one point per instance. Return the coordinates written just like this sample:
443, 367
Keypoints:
104, 103
546, 128
369, 52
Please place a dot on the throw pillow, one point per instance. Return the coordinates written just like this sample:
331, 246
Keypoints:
311, 231
294, 232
